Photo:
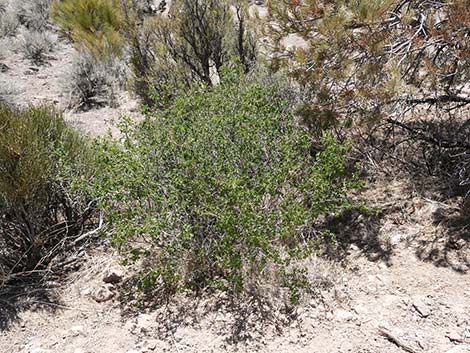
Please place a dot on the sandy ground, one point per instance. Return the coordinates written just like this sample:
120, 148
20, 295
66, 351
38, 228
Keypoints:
23, 84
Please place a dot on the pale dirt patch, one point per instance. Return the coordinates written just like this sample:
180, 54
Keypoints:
23, 84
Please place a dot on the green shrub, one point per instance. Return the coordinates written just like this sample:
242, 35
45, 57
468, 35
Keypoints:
40, 156
95, 24
222, 190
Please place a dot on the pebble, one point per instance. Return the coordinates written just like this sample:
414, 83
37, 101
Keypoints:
454, 337
113, 277
421, 307
39, 350
343, 315
361, 310
104, 293
76, 330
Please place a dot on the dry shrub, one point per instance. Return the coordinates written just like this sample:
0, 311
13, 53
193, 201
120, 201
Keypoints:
93, 83
8, 22
36, 45
41, 159
33, 14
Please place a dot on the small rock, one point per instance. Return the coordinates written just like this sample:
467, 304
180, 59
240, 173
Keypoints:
454, 337
459, 349
104, 293
152, 345
361, 310
353, 248
39, 350
85, 292
112, 277
343, 315
421, 308
76, 330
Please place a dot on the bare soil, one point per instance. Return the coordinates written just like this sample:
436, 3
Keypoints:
23, 83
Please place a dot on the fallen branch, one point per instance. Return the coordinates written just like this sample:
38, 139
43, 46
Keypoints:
394, 339
88, 234
428, 137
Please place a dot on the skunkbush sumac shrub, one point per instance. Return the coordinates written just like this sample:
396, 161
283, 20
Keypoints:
221, 190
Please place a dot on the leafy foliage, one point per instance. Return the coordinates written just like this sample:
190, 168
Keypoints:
40, 156
222, 190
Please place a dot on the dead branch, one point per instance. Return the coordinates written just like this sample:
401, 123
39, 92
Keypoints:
385, 332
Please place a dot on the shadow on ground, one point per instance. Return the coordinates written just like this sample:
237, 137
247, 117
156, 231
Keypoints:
28, 293
359, 229
449, 245
431, 155
237, 319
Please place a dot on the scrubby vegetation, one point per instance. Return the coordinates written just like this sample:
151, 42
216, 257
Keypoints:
94, 83
400, 67
243, 150
223, 189
41, 160
35, 46
95, 24
188, 46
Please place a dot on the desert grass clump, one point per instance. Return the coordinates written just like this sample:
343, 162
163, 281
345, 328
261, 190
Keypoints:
41, 159
35, 46
220, 191
94, 24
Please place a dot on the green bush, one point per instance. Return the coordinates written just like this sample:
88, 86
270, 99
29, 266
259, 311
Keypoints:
222, 190
40, 157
